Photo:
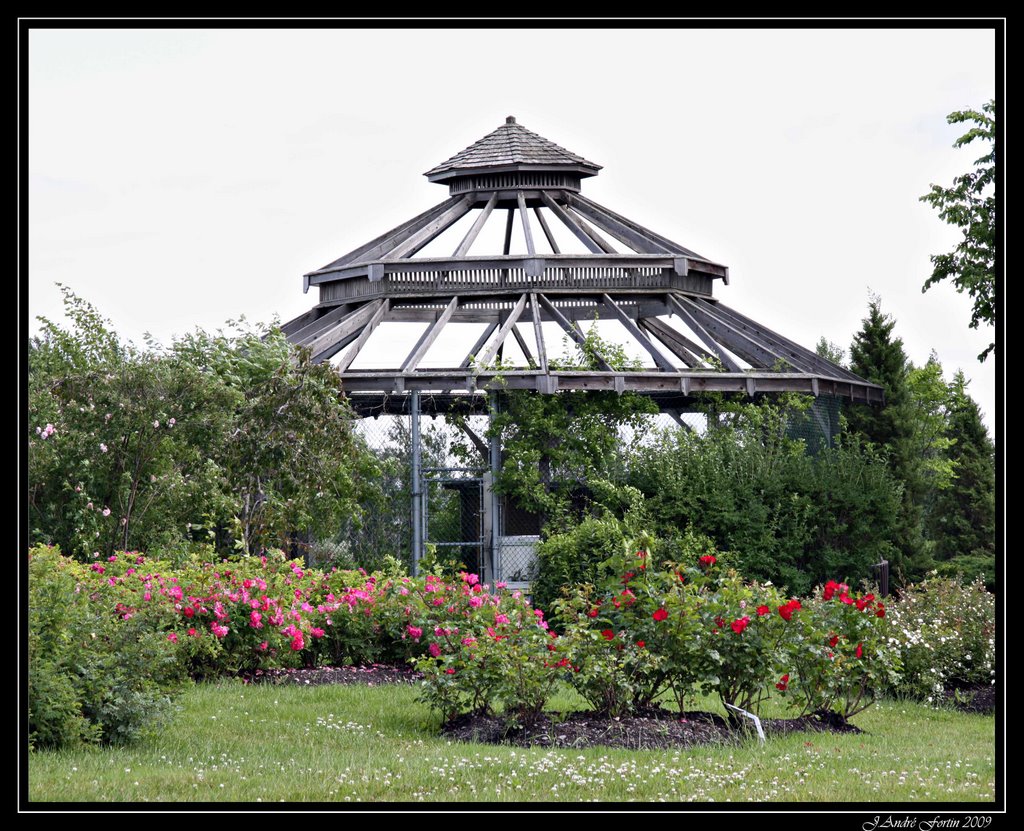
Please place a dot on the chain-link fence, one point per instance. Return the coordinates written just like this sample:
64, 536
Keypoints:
464, 525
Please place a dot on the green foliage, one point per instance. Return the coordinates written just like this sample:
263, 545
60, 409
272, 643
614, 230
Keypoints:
970, 205
237, 440
791, 518
555, 445
99, 670
962, 520
944, 629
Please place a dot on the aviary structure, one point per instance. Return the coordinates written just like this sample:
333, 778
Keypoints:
582, 261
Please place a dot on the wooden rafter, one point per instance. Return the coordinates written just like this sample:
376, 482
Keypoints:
524, 217
547, 231
631, 234
538, 332
476, 347
668, 244
425, 234
567, 221
378, 247
327, 344
319, 325
381, 310
703, 334
429, 336
575, 333
756, 354
690, 353
474, 231
488, 354
524, 346
631, 327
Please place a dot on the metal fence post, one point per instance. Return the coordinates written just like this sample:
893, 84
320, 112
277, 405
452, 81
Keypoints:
417, 482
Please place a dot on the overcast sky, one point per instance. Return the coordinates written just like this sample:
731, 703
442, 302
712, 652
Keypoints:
180, 178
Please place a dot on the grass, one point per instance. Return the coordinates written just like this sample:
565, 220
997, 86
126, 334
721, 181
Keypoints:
236, 743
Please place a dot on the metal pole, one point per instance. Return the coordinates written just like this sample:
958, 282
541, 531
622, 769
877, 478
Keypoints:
417, 483
495, 464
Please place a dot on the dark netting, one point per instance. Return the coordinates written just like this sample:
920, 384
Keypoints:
818, 426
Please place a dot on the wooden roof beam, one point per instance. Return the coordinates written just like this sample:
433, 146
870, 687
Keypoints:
757, 354
629, 235
429, 231
524, 217
381, 310
524, 346
702, 333
429, 336
567, 221
677, 343
547, 231
474, 232
476, 347
335, 338
574, 333
538, 332
631, 327
488, 354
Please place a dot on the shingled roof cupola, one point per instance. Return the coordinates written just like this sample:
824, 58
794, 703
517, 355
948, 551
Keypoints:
512, 157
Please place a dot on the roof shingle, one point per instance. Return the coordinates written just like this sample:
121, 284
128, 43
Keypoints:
511, 144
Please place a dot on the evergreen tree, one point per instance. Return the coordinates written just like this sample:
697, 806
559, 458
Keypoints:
877, 356
963, 522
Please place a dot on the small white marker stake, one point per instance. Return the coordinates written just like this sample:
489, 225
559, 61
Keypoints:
753, 718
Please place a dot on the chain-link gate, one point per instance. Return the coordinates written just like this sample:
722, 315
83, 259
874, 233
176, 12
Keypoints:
454, 528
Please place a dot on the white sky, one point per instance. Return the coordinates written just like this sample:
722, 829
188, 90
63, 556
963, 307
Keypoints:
179, 178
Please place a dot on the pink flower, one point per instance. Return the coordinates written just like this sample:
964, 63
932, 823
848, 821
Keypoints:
434, 650
171, 422
99, 569
156, 424
193, 633
450, 671
218, 629
501, 618
256, 620
173, 637
414, 632
316, 632
103, 447
297, 643
468, 641
476, 602
105, 512
263, 646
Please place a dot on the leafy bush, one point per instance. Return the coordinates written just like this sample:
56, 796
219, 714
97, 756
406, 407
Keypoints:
944, 630
100, 670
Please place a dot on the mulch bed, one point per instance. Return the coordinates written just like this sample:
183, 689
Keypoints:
654, 729
976, 698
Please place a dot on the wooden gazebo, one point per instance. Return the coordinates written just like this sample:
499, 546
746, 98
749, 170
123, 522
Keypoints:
658, 290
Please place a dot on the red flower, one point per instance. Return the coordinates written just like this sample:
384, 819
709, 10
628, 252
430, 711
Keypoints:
859, 651
833, 641
592, 612
608, 634
707, 560
862, 604
740, 624
641, 644
881, 610
450, 671
660, 614
786, 611
682, 579
830, 589
763, 610
720, 622
783, 682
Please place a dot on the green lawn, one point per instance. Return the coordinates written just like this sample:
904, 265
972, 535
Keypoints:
236, 743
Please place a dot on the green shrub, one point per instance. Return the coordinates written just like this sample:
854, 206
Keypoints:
944, 630
99, 670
